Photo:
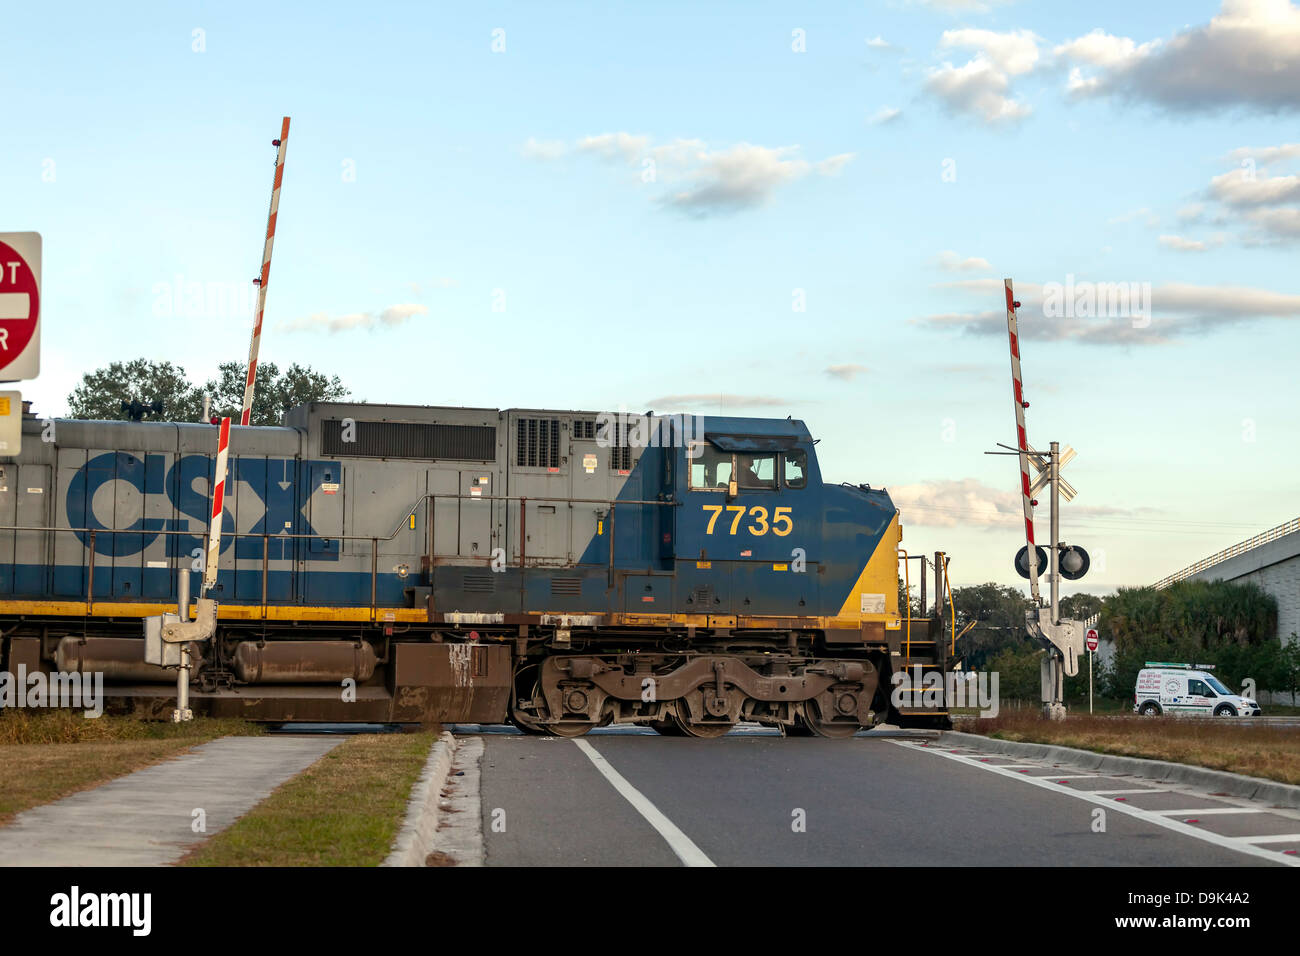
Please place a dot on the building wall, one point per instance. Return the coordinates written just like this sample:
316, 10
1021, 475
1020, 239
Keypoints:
1275, 567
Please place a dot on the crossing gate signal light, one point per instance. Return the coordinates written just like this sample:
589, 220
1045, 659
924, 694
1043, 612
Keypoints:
1022, 560
1074, 561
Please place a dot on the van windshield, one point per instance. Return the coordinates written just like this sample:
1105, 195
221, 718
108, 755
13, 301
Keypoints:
1213, 682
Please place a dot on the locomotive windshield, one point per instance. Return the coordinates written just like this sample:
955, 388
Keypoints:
710, 468
755, 471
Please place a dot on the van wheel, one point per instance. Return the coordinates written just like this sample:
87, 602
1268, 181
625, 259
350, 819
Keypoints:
1150, 709
1225, 710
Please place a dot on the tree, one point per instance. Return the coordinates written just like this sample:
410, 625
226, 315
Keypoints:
1194, 622
999, 613
102, 392
274, 392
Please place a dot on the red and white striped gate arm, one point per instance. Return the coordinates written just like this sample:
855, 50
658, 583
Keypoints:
265, 277
218, 507
1018, 392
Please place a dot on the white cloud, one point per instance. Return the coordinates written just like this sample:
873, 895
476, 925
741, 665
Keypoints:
886, 114
846, 373
390, 317
981, 87
880, 43
623, 146
949, 261
1266, 155
1246, 56
966, 502
1241, 187
701, 180
1283, 222
1176, 310
1183, 244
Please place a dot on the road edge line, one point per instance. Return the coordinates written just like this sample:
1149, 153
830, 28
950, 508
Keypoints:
678, 842
1149, 816
1284, 795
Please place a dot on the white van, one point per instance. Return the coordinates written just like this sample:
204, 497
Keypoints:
1187, 689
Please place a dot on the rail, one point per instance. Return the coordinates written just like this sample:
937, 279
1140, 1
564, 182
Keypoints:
1272, 534
402, 524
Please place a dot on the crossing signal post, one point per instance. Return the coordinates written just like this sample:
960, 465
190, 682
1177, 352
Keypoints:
1064, 639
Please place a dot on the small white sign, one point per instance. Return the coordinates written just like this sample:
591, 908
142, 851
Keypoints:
873, 604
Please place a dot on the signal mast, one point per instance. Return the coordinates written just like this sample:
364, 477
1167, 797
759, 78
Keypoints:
1064, 639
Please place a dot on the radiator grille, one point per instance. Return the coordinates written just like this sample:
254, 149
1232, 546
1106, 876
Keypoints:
538, 443
410, 440
566, 586
480, 583
584, 429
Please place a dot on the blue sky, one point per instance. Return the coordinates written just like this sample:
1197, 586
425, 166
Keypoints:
464, 225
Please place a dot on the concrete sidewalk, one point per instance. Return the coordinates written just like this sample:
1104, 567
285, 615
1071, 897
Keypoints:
146, 818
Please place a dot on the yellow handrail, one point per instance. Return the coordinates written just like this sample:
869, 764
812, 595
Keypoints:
952, 612
907, 595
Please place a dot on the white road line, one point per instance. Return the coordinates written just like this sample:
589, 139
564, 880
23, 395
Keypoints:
1230, 843
679, 842
1111, 793
1275, 838
1208, 810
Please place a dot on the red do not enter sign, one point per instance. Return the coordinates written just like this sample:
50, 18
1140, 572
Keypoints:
20, 305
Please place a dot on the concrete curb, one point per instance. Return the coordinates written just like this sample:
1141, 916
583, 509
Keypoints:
415, 839
1233, 784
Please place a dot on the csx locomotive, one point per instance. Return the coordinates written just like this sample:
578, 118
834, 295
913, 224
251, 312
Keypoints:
559, 570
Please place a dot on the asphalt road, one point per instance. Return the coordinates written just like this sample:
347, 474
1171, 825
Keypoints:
634, 798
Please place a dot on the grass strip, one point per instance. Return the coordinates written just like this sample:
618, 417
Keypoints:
1219, 743
343, 810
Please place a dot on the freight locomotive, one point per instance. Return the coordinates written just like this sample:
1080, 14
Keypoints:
559, 570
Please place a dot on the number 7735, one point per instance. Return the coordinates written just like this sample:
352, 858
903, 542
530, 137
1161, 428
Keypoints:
780, 524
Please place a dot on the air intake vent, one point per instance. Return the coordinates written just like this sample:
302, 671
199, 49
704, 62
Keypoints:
701, 595
538, 443
566, 586
480, 583
584, 429
620, 456
410, 440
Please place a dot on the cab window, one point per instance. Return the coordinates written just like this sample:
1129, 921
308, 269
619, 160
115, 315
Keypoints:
754, 471
710, 468
794, 469
1196, 688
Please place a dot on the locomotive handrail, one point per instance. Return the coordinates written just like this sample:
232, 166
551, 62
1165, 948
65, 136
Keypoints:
92, 533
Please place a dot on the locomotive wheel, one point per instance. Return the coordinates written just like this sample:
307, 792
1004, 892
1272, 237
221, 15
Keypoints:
667, 728
838, 730
688, 729
527, 726
570, 728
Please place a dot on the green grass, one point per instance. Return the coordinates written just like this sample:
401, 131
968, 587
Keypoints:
48, 755
343, 810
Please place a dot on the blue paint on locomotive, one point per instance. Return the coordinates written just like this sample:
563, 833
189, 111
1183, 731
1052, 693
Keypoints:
700, 554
